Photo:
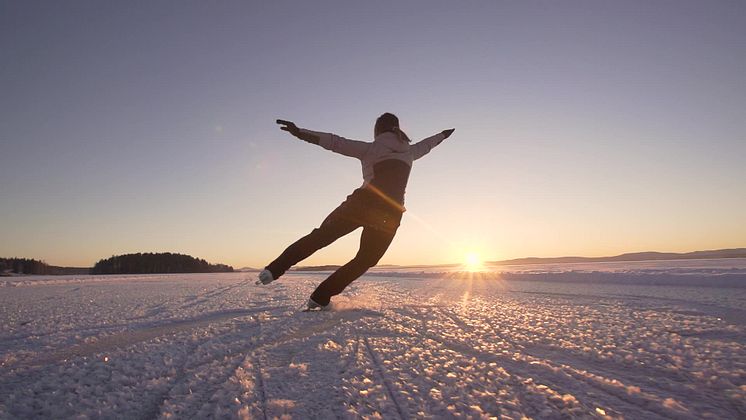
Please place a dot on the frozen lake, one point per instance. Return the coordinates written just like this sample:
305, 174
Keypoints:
634, 340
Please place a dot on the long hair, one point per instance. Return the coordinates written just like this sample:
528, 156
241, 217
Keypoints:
389, 122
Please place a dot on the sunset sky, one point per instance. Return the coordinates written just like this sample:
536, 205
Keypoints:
582, 127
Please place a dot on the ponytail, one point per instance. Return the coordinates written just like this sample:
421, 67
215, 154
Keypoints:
402, 135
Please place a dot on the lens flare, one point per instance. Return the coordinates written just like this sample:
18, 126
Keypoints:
472, 262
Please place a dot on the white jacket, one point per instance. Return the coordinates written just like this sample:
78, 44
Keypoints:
386, 161
385, 146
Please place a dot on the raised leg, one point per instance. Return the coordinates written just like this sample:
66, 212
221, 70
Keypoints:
330, 230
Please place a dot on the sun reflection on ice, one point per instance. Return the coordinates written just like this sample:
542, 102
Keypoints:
465, 298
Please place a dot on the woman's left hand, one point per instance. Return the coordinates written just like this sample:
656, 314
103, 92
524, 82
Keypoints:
447, 133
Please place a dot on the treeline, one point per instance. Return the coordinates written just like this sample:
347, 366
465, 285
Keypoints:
156, 263
23, 266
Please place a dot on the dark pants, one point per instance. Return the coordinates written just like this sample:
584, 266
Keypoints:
379, 221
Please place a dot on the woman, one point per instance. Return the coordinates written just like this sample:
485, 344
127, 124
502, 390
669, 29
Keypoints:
377, 206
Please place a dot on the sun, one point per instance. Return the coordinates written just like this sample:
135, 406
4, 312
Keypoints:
472, 262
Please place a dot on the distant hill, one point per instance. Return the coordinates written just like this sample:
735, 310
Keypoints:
316, 268
156, 263
634, 256
152, 263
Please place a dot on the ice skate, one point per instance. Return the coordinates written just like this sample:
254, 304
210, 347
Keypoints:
311, 305
265, 277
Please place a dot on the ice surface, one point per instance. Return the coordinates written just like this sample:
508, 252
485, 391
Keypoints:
528, 341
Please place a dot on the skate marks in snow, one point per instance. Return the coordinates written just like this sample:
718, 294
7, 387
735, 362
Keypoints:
294, 366
116, 341
129, 382
381, 373
51, 345
604, 354
648, 367
710, 307
199, 298
394, 349
244, 381
269, 377
397, 370
553, 388
44, 317
124, 373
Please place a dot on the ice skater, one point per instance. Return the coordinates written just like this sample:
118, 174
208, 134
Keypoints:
376, 206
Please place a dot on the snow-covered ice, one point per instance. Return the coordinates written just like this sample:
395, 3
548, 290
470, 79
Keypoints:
633, 340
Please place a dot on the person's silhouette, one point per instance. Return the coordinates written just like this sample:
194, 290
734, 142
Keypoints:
376, 206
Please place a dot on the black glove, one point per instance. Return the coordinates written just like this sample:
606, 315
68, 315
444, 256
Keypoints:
447, 133
290, 127
293, 129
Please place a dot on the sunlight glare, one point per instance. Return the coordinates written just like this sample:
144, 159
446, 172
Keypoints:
472, 262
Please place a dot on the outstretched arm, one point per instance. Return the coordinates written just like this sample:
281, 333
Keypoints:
293, 129
423, 147
333, 142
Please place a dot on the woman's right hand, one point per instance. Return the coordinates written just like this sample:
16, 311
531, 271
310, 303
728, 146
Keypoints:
293, 129
290, 127
447, 133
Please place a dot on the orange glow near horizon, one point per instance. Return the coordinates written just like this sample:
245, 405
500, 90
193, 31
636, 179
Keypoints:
473, 262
